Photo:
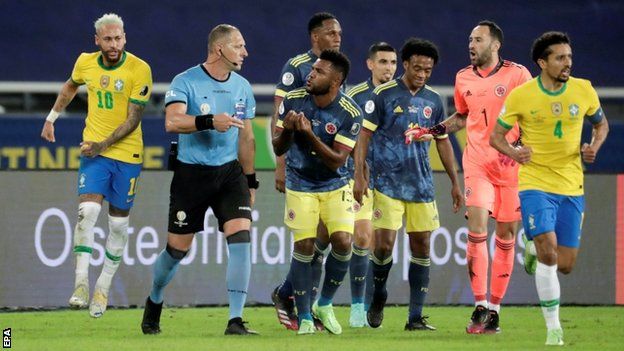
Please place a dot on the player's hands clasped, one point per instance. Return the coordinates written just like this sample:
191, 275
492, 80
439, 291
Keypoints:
223, 122
417, 134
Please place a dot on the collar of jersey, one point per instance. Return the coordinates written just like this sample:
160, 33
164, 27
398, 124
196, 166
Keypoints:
100, 61
548, 92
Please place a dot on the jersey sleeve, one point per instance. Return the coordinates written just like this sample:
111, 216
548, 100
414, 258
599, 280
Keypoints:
373, 108
177, 91
142, 87
289, 79
594, 112
77, 72
510, 113
284, 107
460, 103
350, 129
525, 76
250, 103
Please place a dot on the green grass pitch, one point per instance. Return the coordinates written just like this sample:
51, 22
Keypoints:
585, 328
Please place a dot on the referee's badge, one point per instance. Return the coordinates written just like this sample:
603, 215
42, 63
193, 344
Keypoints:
556, 108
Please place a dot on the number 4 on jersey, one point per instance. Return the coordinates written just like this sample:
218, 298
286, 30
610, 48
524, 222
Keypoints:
558, 130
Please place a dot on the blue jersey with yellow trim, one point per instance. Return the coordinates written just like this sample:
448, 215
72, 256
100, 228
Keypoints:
402, 171
339, 122
361, 93
295, 73
202, 95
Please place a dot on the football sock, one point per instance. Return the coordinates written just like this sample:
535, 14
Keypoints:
165, 268
238, 271
477, 257
358, 268
83, 238
419, 284
115, 244
317, 266
381, 269
502, 267
302, 286
336, 268
548, 290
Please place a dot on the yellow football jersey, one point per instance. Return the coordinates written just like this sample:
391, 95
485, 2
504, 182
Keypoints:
110, 90
551, 124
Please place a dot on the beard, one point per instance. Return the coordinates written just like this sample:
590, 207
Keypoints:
113, 60
316, 90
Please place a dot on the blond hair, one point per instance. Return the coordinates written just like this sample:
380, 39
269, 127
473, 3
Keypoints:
108, 18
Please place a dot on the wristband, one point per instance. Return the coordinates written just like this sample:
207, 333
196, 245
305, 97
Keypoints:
204, 122
52, 116
437, 130
252, 181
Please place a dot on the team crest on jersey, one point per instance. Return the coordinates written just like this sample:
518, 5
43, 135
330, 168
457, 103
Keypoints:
369, 107
574, 110
119, 84
355, 129
377, 214
500, 90
291, 215
181, 216
104, 80
288, 78
204, 108
556, 108
330, 128
427, 111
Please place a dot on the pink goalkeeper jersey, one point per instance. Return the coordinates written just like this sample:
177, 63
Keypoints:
481, 97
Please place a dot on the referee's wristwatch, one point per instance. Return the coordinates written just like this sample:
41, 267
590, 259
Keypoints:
252, 181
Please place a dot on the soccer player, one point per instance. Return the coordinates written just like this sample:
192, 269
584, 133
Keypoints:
382, 62
490, 178
403, 176
211, 107
119, 85
317, 130
325, 33
550, 110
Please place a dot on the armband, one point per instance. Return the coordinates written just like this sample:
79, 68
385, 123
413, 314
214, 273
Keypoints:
204, 122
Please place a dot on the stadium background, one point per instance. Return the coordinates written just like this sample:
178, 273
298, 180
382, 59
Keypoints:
43, 38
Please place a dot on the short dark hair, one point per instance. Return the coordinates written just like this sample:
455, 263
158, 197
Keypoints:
316, 21
541, 46
339, 61
379, 46
495, 31
417, 46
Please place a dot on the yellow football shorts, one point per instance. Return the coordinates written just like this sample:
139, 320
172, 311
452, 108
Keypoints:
388, 214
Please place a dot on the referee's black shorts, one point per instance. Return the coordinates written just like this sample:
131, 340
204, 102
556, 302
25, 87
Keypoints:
194, 188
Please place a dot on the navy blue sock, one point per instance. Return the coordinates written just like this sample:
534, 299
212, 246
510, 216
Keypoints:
358, 270
165, 268
381, 269
336, 268
368, 297
317, 266
285, 290
302, 287
419, 285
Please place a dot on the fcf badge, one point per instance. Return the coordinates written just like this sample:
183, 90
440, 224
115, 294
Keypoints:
104, 80
556, 108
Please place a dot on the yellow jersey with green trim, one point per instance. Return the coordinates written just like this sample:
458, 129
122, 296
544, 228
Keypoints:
109, 91
551, 124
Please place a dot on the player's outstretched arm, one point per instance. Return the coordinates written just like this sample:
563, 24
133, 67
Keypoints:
445, 150
135, 114
65, 96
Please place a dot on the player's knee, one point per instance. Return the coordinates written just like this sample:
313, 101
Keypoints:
304, 247
341, 242
88, 213
548, 258
241, 236
565, 269
175, 253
